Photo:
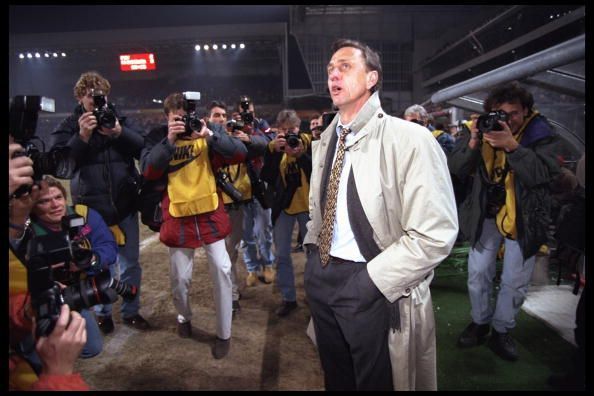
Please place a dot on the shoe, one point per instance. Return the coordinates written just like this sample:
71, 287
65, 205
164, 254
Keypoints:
268, 274
221, 348
252, 279
503, 345
473, 335
184, 330
236, 308
136, 321
105, 324
286, 308
298, 248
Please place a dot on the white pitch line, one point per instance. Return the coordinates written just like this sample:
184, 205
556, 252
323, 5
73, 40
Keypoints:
148, 241
117, 341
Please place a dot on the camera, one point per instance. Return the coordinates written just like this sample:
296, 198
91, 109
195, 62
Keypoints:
235, 125
224, 182
495, 199
292, 139
102, 111
23, 116
44, 254
246, 115
191, 119
489, 121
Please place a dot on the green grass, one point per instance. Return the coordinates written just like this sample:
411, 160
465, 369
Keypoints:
542, 351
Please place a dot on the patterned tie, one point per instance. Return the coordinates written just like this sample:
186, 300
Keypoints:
330, 209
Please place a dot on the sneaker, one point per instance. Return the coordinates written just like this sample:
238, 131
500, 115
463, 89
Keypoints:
473, 335
286, 308
298, 248
268, 274
221, 348
184, 330
235, 309
252, 279
136, 321
503, 345
105, 323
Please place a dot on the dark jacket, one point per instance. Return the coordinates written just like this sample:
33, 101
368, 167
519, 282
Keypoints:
105, 177
283, 193
206, 228
534, 164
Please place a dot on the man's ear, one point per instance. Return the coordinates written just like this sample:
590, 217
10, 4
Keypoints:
372, 78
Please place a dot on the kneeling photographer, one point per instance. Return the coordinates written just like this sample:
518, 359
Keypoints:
68, 256
287, 167
511, 150
59, 349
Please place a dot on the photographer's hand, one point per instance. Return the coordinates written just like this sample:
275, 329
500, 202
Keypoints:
114, 132
474, 133
244, 137
20, 169
60, 349
502, 139
174, 128
87, 123
279, 143
203, 133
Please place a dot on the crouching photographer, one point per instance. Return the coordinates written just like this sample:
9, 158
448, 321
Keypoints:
511, 150
67, 255
60, 348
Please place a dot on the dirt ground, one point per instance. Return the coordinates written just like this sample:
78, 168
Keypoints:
267, 352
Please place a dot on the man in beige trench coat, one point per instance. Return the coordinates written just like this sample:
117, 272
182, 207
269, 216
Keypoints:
381, 221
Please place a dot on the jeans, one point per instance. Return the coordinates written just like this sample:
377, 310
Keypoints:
283, 234
232, 244
127, 267
257, 235
515, 279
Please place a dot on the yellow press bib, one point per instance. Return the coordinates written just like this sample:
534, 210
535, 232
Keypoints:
241, 181
191, 184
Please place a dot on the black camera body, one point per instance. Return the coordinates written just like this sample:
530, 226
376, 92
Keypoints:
43, 256
495, 199
23, 116
102, 111
246, 115
236, 125
191, 119
292, 139
489, 121
224, 182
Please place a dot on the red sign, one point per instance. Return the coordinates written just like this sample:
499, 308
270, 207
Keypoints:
136, 62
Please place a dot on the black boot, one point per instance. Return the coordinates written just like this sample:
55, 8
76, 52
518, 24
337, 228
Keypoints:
473, 335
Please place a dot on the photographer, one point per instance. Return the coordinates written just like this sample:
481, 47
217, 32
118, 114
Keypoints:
98, 251
59, 350
288, 168
104, 145
189, 154
511, 151
238, 177
257, 225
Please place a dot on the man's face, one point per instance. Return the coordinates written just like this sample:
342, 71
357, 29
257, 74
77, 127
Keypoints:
314, 123
87, 101
286, 128
516, 115
176, 115
218, 115
51, 206
414, 116
348, 80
